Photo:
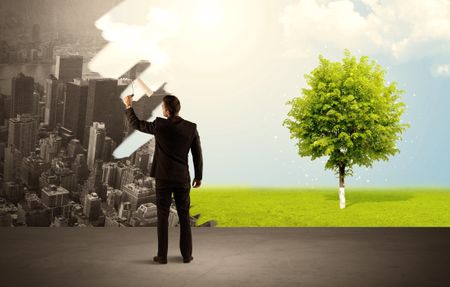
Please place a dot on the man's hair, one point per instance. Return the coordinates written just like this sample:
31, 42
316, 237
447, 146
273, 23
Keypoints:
172, 104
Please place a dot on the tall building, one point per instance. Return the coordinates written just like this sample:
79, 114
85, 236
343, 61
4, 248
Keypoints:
53, 196
96, 143
66, 135
114, 197
22, 133
3, 136
50, 147
36, 103
94, 182
125, 210
104, 105
141, 158
122, 84
12, 163
112, 173
41, 109
138, 194
8, 110
33, 212
31, 169
74, 147
2, 109
75, 107
13, 192
92, 207
129, 174
80, 167
109, 173
68, 67
22, 88
108, 149
68, 180
54, 90
121, 169
47, 178
56, 198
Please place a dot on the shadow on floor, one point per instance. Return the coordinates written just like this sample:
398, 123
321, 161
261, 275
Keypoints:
147, 261
367, 196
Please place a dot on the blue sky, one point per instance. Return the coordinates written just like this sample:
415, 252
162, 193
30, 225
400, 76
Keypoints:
234, 64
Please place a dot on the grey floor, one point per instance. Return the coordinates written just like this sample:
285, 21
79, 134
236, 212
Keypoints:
227, 257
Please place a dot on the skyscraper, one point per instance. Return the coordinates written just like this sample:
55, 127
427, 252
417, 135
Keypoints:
75, 107
22, 133
2, 109
138, 194
22, 88
68, 67
56, 198
54, 90
13, 160
50, 147
125, 210
109, 173
92, 208
141, 158
108, 149
104, 105
74, 147
31, 169
34, 213
96, 143
80, 167
114, 197
13, 192
94, 182
112, 173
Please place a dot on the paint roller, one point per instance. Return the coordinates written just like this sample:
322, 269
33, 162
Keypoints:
143, 86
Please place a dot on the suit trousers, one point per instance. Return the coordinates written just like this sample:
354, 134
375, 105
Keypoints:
182, 202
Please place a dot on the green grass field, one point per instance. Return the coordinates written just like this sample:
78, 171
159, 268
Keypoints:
250, 207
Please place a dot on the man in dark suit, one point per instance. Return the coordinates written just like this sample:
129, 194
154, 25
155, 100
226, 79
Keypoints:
174, 137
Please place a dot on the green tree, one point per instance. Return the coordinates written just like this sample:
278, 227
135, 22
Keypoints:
348, 114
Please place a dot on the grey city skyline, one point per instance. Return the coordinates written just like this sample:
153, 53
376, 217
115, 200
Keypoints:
60, 123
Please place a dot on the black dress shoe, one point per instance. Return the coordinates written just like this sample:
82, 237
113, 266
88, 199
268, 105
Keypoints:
160, 260
187, 259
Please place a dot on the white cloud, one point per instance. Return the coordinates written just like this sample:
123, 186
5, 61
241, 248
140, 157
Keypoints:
309, 25
442, 70
403, 29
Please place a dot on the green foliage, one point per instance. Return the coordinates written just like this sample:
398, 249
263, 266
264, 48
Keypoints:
348, 113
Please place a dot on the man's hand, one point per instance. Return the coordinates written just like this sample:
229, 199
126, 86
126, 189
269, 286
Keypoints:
196, 183
127, 100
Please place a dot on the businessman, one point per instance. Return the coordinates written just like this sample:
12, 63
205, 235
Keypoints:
174, 137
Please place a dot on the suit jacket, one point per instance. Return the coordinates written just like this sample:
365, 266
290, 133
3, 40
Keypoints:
174, 137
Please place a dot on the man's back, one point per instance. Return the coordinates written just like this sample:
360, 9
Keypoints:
174, 137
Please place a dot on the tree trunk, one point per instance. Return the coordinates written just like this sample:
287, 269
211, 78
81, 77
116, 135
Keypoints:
341, 186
